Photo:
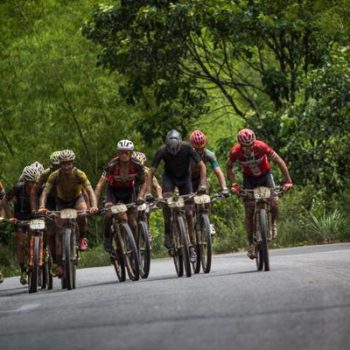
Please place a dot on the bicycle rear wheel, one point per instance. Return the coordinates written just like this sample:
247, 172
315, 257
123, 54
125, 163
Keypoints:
205, 243
131, 257
144, 249
34, 271
264, 246
117, 260
184, 245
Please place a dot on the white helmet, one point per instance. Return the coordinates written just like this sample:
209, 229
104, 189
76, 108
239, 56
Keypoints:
55, 158
139, 156
67, 155
30, 173
125, 145
38, 167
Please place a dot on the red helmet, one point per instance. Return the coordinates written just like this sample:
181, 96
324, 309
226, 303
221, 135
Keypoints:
198, 139
246, 137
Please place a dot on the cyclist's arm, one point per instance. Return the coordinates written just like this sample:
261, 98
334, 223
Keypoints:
151, 173
221, 178
44, 194
156, 187
283, 167
230, 172
92, 197
100, 185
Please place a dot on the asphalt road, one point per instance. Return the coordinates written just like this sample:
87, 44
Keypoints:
302, 303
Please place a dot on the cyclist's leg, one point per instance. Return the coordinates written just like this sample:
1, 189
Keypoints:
21, 237
80, 204
168, 187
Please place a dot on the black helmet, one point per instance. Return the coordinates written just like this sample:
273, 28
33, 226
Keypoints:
173, 141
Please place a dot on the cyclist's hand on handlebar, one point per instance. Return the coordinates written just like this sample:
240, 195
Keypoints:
287, 186
43, 211
149, 198
139, 201
235, 188
93, 210
225, 193
202, 189
12, 220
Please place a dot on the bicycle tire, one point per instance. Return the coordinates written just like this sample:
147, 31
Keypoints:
177, 252
196, 266
34, 271
184, 246
68, 271
264, 246
50, 279
144, 249
205, 243
130, 253
117, 260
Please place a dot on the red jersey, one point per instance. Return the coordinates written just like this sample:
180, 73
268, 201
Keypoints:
136, 174
256, 163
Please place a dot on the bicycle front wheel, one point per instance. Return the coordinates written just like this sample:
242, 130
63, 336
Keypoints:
69, 267
131, 257
34, 271
117, 260
184, 245
264, 246
144, 249
205, 243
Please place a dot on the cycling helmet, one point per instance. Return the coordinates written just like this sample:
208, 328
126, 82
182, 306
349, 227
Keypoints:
55, 158
246, 137
139, 156
38, 167
30, 173
125, 145
173, 141
198, 139
67, 155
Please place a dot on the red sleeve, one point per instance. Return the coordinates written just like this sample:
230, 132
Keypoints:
234, 153
268, 150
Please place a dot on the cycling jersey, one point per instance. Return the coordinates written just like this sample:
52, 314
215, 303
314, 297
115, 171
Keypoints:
176, 166
40, 184
207, 157
256, 164
68, 186
2, 191
22, 209
134, 175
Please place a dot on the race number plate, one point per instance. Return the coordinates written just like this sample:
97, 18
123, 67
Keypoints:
179, 203
262, 193
203, 199
68, 214
119, 208
37, 224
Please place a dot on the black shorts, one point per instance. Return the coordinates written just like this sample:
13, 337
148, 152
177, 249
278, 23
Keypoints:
184, 185
251, 182
60, 204
120, 195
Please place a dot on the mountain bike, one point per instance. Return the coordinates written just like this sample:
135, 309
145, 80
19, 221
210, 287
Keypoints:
179, 236
68, 231
202, 231
262, 221
124, 254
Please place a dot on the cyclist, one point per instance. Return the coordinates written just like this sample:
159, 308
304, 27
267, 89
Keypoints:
69, 182
177, 156
2, 194
156, 188
20, 194
51, 199
198, 141
253, 156
122, 174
